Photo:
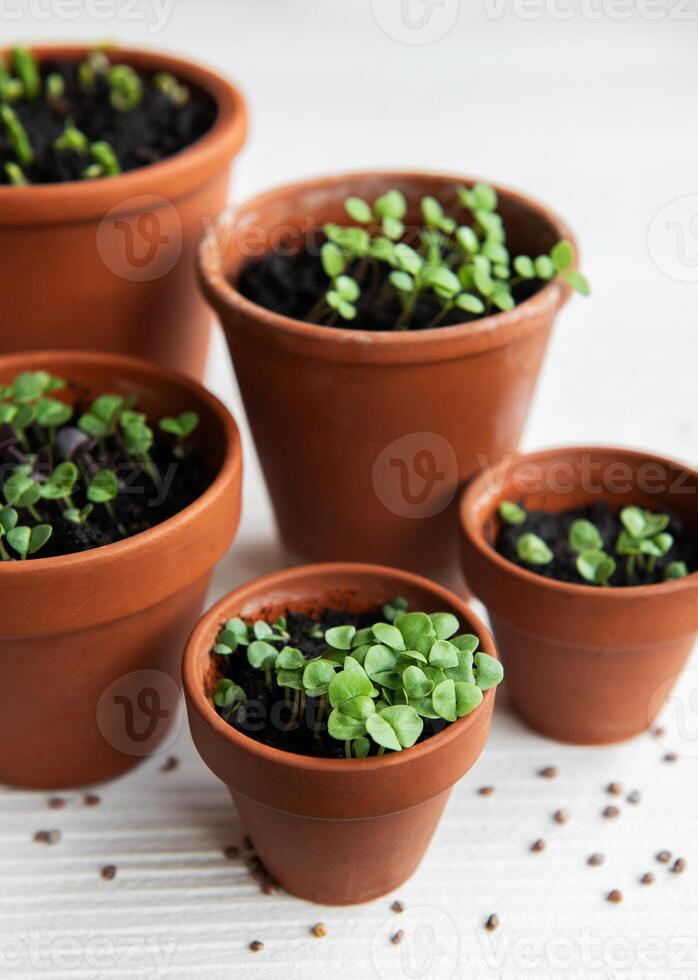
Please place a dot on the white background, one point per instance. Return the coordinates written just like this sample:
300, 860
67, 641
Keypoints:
591, 107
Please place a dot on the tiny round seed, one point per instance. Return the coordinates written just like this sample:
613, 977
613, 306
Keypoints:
548, 772
56, 803
91, 799
634, 797
170, 764
397, 937
486, 790
319, 930
679, 865
671, 757
595, 860
269, 887
492, 923
615, 789
231, 852
659, 732
611, 812
47, 836
109, 872
538, 845
664, 857
648, 879
255, 946
561, 816
397, 906
615, 896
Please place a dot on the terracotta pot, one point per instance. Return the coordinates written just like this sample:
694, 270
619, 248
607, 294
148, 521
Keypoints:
90, 644
109, 264
584, 664
336, 831
365, 437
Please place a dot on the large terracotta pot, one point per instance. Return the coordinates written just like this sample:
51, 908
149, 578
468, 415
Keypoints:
336, 831
584, 664
90, 644
365, 437
109, 264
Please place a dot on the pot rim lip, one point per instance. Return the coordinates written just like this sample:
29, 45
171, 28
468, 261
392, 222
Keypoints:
226, 135
211, 270
231, 464
473, 531
265, 753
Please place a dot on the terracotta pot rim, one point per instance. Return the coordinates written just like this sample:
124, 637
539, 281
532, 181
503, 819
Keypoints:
78, 199
230, 469
473, 530
483, 333
199, 701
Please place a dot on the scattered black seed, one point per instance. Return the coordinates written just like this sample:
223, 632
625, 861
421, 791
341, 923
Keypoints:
671, 757
269, 886
319, 930
549, 772
231, 852
397, 907
659, 732
56, 803
47, 836
492, 923
538, 845
615, 896
91, 799
561, 816
634, 797
170, 764
647, 879
664, 857
109, 872
615, 789
679, 865
595, 860
255, 946
486, 790
397, 937
611, 812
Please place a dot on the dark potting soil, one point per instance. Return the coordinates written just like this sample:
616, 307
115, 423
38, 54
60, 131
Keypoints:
554, 528
154, 130
269, 714
293, 285
141, 504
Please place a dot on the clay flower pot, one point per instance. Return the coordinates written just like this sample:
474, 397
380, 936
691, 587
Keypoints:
584, 664
109, 264
336, 831
365, 437
91, 643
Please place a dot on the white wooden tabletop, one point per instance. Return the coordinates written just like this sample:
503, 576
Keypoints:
592, 107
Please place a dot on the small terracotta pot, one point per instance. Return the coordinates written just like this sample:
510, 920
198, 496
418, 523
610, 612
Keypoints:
109, 264
584, 664
335, 831
90, 644
365, 437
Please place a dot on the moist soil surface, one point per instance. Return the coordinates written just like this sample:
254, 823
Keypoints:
293, 285
154, 130
141, 503
554, 529
268, 719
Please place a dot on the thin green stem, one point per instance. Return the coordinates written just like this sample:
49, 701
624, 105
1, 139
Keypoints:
3, 553
347, 748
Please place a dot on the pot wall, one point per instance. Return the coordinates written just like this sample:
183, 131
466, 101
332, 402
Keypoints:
310, 819
366, 437
108, 265
583, 664
90, 644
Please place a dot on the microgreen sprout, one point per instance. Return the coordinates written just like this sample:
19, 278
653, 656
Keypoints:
126, 88
511, 513
460, 262
533, 550
182, 428
372, 688
674, 570
72, 138
643, 539
166, 83
27, 70
17, 135
105, 163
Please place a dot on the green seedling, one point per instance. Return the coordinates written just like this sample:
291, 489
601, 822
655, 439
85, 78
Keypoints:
166, 83
27, 70
674, 570
73, 139
643, 539
8, 520
105, 163
17, 136
511, 513
28, 540
15, 174
126, 88
533, 550
55, 90
595, 566
182, 428
374, 686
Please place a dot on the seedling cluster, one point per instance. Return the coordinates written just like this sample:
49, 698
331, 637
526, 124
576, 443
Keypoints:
460, 263
23, 86
641, 542
371, 688
60, 465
